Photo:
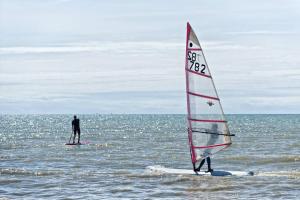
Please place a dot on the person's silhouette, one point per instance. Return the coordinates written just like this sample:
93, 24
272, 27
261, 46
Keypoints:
76, 129
212, 139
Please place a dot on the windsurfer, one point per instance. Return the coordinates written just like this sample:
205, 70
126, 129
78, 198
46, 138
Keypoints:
213, 137
76, 128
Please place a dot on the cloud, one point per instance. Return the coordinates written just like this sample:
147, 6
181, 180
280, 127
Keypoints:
136, 52
260, 32
223, 45
122, 47
135, 68
101, 102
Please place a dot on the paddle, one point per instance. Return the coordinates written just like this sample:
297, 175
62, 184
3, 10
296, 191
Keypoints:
70, 137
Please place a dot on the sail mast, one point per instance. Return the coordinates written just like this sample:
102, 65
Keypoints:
188, 28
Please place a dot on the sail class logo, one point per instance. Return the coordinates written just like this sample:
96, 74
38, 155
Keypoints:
210, 103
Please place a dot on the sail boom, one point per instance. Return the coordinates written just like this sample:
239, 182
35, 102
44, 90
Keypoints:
207, 120
206, 132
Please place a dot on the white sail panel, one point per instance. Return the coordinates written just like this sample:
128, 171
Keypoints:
196, 59
208, 132
195, 81
205, 109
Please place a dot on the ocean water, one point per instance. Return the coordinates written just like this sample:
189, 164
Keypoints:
35, 163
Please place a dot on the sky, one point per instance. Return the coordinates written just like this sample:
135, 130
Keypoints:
127, 56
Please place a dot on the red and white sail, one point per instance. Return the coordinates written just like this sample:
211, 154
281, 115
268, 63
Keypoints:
208, 132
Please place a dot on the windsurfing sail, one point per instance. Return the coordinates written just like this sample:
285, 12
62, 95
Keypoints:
208, 132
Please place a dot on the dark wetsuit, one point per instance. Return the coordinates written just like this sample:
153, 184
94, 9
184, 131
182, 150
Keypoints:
76, 129
213, 138
202, 163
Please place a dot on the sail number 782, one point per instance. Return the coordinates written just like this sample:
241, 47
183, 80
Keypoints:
192, 57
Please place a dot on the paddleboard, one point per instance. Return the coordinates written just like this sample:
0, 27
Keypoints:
74, 144
81, 143
164, 170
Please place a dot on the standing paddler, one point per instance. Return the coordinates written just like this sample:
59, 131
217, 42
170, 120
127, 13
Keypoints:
76, 128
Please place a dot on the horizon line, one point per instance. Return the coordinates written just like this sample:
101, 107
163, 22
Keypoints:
141, 114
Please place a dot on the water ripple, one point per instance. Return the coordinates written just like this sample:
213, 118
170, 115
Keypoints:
35, 163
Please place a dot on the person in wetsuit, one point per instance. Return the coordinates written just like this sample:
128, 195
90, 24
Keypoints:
202, 163
76, 129
213, 137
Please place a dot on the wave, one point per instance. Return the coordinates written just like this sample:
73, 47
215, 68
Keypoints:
215, 188
121, 189
26, 172
290, 174
277, 159
266, 159
237, 158
9, 181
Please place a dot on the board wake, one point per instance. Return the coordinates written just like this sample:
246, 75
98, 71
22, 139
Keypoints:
163, 170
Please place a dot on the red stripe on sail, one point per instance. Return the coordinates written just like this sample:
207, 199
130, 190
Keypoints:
208, 120
200, 74
211, 146
204, 96
194, 49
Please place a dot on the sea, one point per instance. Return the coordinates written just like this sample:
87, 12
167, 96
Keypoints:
114, 163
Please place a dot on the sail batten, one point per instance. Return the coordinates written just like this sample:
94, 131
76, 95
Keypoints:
197, 73
204, 110
212, 146
203, 96
194, 49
